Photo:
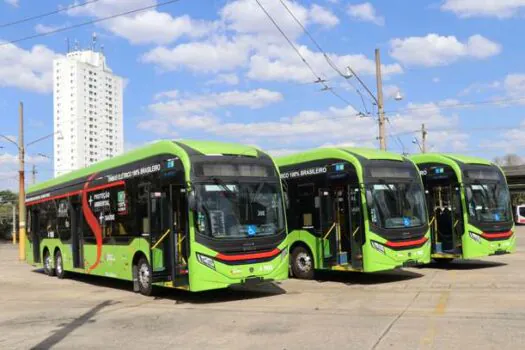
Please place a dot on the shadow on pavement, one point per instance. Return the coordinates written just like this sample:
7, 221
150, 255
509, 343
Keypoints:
66, 329
463, 265
350, 278
182, 296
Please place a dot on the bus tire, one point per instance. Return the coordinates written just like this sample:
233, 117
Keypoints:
302, 263
144, 277
59, 265
48, 264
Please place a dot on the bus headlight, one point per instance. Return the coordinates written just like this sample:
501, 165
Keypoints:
378, 246
284, 253
475, 237
206, 260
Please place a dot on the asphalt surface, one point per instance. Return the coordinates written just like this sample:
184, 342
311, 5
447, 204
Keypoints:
468, 305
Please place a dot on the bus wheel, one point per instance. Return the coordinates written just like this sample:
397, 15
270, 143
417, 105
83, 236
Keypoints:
145, 275
302, 263
443, 261
48, 264
59, 265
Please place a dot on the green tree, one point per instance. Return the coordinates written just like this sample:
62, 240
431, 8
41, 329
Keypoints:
7, 199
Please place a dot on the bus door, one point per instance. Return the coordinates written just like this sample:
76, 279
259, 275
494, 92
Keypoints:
444, 213
328, 225
457, 211
76, 232
35, 235
161, 234
356, 226
180, 233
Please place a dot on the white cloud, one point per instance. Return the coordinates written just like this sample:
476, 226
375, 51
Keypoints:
157, 27
284, 65
480, 87
12, 2
514, 85
435, 50
43, 29
443, 132
30, 70
436, 80
365, 12
245, 16
228, 79
199, 104
478, 8
217, 54
196, 112
150, 26
323, 16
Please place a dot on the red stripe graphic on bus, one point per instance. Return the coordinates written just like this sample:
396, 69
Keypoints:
92, 222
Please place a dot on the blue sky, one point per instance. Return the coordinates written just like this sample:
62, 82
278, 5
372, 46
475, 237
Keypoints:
220, 70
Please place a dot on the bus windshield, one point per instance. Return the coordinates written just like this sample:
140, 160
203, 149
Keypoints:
488, 202
396, 205
231, 209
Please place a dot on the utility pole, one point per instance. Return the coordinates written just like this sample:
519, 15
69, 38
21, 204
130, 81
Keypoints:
21, 192
14, 222
380, 106
33, 173
423, 138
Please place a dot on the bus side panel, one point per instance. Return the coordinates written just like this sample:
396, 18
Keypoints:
312, 242
477, 249
374, 260
116, 259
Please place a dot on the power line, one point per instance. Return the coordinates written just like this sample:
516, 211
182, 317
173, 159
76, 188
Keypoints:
325, 55
58, 30
459, 105
303, 59
46, 14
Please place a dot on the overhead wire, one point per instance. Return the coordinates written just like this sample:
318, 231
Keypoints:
303, 59
323, 52
46, 14
82, 24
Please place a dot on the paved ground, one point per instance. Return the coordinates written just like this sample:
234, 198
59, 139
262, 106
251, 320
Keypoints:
470, 305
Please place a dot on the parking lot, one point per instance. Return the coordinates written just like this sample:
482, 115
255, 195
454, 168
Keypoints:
469, 305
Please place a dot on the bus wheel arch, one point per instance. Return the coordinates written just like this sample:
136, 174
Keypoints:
302, 261
48, 262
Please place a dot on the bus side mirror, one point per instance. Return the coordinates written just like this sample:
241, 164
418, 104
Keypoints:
469, 193
369, 197
192, 202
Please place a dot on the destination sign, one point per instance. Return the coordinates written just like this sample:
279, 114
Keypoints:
303, 172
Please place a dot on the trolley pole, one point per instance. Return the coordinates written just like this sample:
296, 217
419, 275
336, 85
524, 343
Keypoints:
21, 192
423, 138
380, 105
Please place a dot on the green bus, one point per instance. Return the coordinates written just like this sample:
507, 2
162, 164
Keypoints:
187, 214
354, 209
469, 206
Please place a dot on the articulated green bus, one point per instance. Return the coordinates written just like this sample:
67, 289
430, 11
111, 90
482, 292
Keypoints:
469, 206
354, 209
186, 214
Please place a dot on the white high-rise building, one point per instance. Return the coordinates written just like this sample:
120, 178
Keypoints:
88, 115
